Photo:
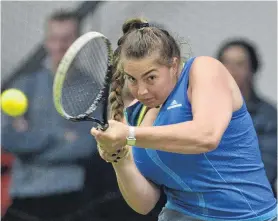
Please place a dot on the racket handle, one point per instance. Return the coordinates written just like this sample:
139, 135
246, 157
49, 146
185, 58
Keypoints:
100, 124
102, 127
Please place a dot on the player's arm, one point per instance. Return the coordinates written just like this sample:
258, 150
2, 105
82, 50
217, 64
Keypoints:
211, 99
139, 193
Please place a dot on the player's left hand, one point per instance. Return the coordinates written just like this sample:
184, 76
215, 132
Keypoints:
113, 138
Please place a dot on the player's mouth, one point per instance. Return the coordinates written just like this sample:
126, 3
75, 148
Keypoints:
148, 100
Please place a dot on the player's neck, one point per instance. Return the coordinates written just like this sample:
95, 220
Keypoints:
180, 70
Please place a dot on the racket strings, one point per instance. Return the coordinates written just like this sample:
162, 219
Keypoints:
85, 78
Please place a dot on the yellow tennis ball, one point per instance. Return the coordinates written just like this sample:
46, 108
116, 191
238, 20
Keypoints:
14, 102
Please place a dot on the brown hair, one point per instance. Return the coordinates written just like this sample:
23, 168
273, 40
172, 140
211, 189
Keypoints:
138, 42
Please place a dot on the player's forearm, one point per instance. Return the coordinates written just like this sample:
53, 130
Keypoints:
140, 194
186, 138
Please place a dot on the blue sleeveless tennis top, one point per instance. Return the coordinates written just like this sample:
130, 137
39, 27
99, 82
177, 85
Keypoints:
228, 183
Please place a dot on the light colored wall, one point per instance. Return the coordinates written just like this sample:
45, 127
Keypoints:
205, 25
22, 29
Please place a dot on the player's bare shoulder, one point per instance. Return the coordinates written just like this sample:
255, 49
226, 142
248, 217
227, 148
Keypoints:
212, 70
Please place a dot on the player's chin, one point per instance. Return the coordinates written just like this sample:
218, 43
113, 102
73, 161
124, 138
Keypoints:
151, 103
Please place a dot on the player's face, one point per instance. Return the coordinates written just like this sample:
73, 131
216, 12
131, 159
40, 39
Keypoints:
236, 61
149, 82
60, 35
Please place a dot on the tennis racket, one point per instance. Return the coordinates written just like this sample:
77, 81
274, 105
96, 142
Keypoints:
82, 81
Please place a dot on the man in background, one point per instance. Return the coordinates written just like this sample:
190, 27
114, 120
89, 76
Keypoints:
57, 174
51, 154
241, 59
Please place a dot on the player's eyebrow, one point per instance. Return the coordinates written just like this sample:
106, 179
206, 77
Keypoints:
144, 74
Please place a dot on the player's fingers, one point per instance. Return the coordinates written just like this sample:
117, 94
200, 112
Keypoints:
102, 154
95, 132
110, 122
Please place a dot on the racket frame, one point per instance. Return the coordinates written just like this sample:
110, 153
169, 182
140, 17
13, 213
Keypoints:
61, 73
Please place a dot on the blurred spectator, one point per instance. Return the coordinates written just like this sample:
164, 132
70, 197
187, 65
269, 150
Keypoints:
241, 59
58, 174
51, 154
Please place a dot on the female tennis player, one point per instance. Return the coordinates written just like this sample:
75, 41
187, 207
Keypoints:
190, 133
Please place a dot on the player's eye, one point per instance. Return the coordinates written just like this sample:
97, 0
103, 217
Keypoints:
151, 79
131, 79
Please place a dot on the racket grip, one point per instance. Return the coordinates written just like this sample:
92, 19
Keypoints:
102, 127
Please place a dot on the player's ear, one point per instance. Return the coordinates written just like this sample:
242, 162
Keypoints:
174, 67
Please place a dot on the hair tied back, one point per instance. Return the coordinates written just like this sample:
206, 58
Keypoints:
141, 25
